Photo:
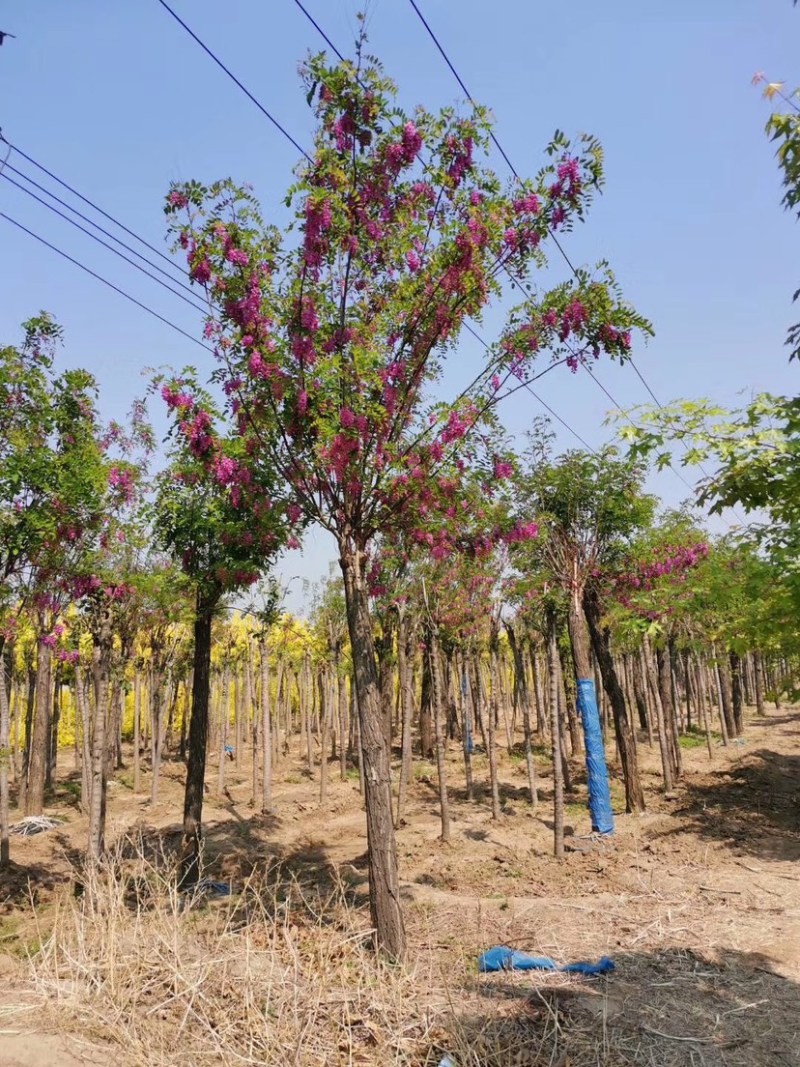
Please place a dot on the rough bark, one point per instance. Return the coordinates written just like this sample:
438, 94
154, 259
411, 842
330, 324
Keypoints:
198, 744
758, 670
40, 733
626, 741
384, 887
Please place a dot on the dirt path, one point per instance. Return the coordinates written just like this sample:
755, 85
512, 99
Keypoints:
697, 901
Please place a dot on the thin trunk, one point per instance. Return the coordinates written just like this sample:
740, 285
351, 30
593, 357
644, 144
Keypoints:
555, 732
666, 757
5, 733
326, 714
438, 709
466, 728
266, 731
492, 716
758, 670
224, 717
523, 698
404, 648
736, 692
137, 732
101, 671
86, 741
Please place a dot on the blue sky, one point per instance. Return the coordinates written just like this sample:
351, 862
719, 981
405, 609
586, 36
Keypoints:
119, 101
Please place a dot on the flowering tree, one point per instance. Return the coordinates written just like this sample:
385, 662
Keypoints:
204, 515
330, 341
61, 488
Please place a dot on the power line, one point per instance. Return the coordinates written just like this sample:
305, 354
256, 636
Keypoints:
514, 171
286, 134
235, 80
91, 203
105, 281
192, 303
96, 225
320, 31
536, 396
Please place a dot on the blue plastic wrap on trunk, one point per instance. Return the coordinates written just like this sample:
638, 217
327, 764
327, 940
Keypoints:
599, 793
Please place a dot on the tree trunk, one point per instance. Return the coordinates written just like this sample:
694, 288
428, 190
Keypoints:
326, 715
555, 732
600, 637
404, 650
266, 731
384, 888
438, 711
663, 743
40, 735
524, 700
224, 722
5, 734
726, 696
82, 704
736, 692
137, 732
101, 671
758, 670
492, 716
198, 745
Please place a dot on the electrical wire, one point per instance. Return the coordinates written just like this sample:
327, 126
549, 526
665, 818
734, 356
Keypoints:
515, 173
91, 203
235, 80
105, 281
192, 303
534, 394
101, 229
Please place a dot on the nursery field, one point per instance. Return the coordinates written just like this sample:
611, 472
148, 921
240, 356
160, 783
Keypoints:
697, 902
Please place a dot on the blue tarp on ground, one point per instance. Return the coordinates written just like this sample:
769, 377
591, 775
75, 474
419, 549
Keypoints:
503, 958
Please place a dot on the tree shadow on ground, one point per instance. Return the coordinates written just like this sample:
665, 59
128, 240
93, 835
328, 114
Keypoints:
752, 806
22, 884
673, 1008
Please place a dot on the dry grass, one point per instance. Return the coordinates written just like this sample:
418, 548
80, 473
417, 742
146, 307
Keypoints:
279, 973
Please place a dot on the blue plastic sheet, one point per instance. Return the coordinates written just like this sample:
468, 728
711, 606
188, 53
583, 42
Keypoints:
597, 772
503, 958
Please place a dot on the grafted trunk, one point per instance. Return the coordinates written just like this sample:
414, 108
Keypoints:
384, 887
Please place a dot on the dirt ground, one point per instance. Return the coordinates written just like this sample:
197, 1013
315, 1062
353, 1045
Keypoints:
697, 901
